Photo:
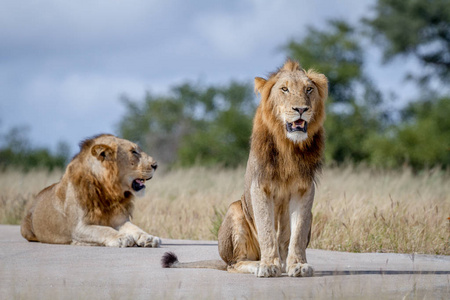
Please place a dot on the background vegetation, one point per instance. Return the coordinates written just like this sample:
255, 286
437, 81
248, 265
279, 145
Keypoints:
16, 152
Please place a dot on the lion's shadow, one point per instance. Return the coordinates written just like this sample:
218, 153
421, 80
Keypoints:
346, 272
378, 272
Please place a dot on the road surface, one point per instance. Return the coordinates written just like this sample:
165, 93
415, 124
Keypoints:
42, 271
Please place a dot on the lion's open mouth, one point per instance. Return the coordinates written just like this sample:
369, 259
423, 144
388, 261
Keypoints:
138, 184
299, 125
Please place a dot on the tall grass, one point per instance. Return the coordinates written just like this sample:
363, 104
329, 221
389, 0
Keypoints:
188, 203
355, 209
18, 188
362, 210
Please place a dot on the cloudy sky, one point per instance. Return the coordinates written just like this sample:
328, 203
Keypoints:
64, 64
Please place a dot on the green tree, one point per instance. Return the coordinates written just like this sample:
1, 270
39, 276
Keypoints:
193, 124
417, 27
353, 109
420, 29
421, 141
16, 151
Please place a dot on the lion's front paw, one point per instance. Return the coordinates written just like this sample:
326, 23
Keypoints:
267, 270
300, 270
146, 240
122, 240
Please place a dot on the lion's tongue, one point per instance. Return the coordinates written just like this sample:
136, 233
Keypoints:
299, 123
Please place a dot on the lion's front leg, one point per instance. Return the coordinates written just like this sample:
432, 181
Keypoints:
263, 209
100, 235
141, 238
300, 219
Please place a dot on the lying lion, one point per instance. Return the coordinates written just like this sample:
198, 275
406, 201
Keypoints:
93, 202
268, 230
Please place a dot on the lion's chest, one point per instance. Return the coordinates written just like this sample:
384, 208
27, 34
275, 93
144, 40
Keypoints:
276, 195
281, 194
113, 216
118, 220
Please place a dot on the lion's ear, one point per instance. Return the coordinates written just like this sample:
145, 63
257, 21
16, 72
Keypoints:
103, 152
259, 83
320, 81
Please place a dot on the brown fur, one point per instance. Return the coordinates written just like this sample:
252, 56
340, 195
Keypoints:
93, 202
268, 230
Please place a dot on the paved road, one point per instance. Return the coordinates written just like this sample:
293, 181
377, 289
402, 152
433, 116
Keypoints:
41, 271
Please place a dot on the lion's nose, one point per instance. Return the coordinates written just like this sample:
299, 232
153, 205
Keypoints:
300, 110
154, 165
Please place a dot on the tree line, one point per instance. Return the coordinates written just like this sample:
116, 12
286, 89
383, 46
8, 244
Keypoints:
211, 124
16, 151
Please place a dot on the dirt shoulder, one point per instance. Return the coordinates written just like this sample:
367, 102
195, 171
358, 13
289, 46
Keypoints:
42, 271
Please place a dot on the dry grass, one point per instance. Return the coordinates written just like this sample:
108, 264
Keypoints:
356, 209
18, 188
360, 210
183, 204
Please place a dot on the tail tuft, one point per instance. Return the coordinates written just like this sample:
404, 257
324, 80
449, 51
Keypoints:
168, 259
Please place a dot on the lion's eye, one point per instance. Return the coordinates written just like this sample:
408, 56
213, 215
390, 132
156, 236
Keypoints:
309, 90
135, 152
285, 89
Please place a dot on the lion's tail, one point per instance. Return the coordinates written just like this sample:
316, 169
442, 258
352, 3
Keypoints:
170, 260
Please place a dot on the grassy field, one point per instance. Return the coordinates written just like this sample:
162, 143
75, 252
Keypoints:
356, 209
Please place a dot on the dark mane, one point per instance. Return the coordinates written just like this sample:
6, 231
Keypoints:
289, 65
87, 143
290, 161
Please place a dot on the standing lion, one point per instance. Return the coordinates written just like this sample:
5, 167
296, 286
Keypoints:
268, 230
93, 202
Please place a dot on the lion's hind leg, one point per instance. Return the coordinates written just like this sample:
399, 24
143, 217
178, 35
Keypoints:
238, 245
26, 229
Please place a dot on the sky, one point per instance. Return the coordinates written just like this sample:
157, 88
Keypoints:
65, 64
